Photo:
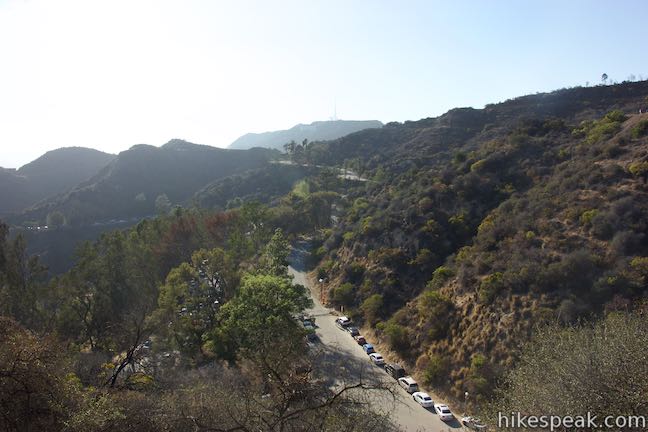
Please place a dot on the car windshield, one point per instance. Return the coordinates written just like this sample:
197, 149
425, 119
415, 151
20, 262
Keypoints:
427, 398
445, 410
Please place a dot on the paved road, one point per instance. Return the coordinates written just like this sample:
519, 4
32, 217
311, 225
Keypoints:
344, 361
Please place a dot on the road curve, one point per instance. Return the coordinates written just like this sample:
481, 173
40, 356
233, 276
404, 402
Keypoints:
345, 362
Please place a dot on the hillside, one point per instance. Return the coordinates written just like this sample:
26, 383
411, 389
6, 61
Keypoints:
129, 186
316, 131
262, 185
55, 172
481, 224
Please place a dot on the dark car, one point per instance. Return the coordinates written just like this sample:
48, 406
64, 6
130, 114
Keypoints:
395, 371
353, 330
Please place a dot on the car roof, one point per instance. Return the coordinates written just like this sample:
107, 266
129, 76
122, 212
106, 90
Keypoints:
408, 380
396, 366
375, 354
422, 394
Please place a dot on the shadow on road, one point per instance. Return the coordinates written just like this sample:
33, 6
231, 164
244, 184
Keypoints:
299, 255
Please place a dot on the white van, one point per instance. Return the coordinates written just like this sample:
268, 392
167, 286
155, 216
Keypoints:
408, 384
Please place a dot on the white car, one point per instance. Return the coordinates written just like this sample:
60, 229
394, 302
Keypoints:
343, 322
423, 399
377, 359
473, 423
408, 384
443, 411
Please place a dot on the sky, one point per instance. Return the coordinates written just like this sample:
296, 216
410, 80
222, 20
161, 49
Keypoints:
111, 74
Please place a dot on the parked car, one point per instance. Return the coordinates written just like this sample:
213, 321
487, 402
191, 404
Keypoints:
342, 322
368, 348
360, 340
473, 423
443, 411
408, 384
353, 330
395, 371
377, 359
423, 399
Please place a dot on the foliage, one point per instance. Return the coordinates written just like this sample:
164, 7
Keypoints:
372, 307
260, 319
436, 372
640, 130
344, 295
397, 337
602, 365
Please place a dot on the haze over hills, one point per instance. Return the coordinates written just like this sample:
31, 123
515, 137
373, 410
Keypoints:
316, 131
54, 172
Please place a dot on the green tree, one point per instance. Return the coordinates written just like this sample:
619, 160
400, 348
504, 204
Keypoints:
274, 260
372, 308
344, 294
186, 311
22, 280
259, 323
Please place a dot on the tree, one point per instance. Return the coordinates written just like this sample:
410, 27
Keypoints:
21, 280
55, 219
344, 294
290, 147
274, 260
162, 204
259, 322
604, 78
372, 308
30, 383
595, 368
186, 310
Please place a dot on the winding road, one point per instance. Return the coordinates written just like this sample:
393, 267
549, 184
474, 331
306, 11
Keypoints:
340, 361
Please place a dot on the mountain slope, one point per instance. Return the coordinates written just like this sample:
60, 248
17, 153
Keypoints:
129, 185
316, 131
481, 224
55, 172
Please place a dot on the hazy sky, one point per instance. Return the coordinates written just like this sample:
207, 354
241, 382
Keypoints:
110, 74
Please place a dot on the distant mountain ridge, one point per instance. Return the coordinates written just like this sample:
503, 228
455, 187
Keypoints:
316, 131
128, 186
53, 173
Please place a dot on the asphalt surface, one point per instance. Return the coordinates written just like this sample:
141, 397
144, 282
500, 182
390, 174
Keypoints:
341, 361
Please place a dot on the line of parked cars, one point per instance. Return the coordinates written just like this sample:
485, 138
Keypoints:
406, 382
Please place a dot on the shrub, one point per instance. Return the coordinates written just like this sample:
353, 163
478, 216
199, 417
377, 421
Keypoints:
354, 272
587, 216
435, 311
423, 258
371, 308
344, 294
490, 287
638, 169
640, 130
397, 337
439, 277
436, 371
